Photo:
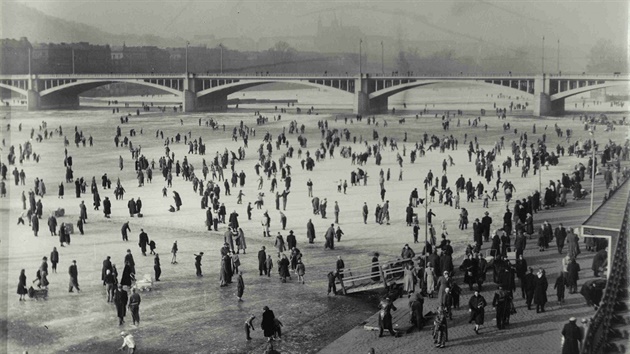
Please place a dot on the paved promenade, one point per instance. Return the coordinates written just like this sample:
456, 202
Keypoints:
528, 331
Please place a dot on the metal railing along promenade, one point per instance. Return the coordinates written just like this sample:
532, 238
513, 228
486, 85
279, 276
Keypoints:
615, 293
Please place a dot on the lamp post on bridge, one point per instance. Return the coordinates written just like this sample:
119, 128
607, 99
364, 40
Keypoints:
360, 57
382, 59
221, 47
187, 44
558, 58
592, 133
543, 55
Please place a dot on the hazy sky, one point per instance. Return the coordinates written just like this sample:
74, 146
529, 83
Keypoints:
508, 22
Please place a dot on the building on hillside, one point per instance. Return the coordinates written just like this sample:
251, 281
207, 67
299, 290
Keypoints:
14, 56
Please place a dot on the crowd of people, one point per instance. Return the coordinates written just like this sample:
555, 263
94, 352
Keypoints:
431, 273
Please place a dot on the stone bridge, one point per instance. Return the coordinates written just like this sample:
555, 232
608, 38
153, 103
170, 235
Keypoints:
369, 93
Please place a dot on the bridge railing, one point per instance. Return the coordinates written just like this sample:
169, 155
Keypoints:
599, 329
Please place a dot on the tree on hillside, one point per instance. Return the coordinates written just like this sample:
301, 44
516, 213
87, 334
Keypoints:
281, 55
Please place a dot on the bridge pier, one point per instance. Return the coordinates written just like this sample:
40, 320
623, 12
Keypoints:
362, 102
32, 100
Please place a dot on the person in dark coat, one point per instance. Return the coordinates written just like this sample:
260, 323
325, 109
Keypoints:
198, 263
123, 231
107, 265
501, 302
35, 224
310, 231
52, 225
573, 270
571, 337
559, 286
121, 299
283, 268
127, 275
80, 226
330, 237
376, 274
178, 200
131, 205
21, 288
529, 281
262, 257
240, 286
134, 306
486, 222
268, 324
143, 241
416, 305
409, 213
54, 259
129, 259
385, 317
291, 241
476, 307
74, 277
107, 207
540, 291
560, 234
157, 267
469, 267
600, 260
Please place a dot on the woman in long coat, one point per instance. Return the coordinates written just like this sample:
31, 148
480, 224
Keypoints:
21, 288
408, 281
540, 291
376, 275
280, 243
573, 245
476, 306
268, 324
429, 278
126, 276
240, 241
120, 299
283, 268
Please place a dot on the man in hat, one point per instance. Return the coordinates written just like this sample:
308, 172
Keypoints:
291, 241
571, 337
143, 240
262, 257
486, 221
74, 277
128, 342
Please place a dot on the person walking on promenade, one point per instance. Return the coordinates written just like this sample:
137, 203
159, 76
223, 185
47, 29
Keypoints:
540, 291
385, 317
476, 307
268, 324
120, 300
571, 337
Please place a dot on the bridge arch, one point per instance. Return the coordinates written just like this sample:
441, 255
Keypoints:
579, 90
13, 88
83, 85
390, 91
233, 87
